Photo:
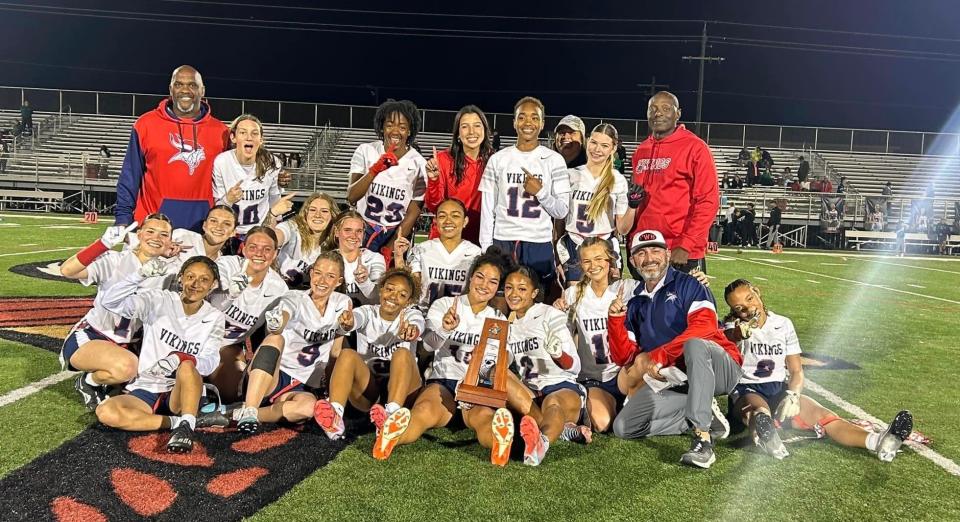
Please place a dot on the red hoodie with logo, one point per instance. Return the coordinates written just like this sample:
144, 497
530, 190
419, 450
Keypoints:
168, 167
680, 180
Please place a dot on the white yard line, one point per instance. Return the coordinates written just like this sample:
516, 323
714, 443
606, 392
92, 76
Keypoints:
950, 466
843, 254
77, 217
912, 266
812, 281
915, 286
882, 287
32, 388
39, 251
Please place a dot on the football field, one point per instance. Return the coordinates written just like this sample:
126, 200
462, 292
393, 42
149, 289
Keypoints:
879, 333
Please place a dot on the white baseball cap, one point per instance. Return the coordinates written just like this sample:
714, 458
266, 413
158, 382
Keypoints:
572, 122
647, 238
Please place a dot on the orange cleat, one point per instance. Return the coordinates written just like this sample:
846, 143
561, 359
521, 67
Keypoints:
502, 426
389, 431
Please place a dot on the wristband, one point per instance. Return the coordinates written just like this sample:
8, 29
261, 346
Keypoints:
91, 253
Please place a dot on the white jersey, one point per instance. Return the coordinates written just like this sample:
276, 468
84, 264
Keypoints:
167, 328
245, 313
582, 188
293, 261
515, 214
765, 352
442, 273
105, 271
593, 343
377, 338
309, 336
366, 292
453, 349
391, 192
527, 345
258, 195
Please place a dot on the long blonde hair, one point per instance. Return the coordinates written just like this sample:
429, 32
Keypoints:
585, 281
598, 204
310, 240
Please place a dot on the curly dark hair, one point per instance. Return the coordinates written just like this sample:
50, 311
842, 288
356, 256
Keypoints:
494, 257
407, 276
406, 108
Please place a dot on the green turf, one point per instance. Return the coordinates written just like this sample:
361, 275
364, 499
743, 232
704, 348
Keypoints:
903, 342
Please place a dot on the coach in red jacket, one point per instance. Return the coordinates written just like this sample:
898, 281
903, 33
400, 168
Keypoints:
676, 170
669, 326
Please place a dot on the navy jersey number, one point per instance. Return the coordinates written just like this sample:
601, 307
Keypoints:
530, 207
765, 368
394, 211
584, 224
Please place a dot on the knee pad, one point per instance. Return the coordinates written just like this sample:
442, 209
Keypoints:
266, 359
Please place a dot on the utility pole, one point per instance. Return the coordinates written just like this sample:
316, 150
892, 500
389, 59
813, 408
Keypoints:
703, 58
653, 86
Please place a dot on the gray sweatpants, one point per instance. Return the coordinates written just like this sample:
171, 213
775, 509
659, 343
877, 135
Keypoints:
710, 372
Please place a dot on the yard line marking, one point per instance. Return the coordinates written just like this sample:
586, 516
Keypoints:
34, 387
833, 264
29, 216
29, 244
950, 466
915, 286
845, 280
758, 278
812, 281
912, 266
39, 251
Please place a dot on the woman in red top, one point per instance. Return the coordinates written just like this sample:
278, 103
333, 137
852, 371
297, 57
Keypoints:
455, 172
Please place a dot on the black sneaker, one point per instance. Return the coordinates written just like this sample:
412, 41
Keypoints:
700, 453
181, 440
768, 439
213, 419
719, 425
92, 395
891, 439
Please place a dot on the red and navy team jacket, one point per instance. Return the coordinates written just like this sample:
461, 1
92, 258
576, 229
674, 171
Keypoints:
659, 325
169, 167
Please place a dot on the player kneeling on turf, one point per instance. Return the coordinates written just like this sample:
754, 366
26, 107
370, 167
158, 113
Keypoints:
182, 334
303, 335
770, 350
383, 364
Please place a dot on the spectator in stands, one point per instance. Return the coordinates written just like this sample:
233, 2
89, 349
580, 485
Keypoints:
568, 141
26, 116
748, 231
787, 177
3, 156
620, 159
729, 224
804, 170
766, 160
104, 161
773, 224
887, 189
168, 166
842, 187
496, 141
296, 161
677, 172
744, 157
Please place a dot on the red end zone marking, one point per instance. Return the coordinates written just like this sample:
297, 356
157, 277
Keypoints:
229, 484
154, 447
143, 492
65, 509
25, 311
264, 441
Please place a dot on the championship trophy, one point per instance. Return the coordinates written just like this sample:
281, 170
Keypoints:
470, 390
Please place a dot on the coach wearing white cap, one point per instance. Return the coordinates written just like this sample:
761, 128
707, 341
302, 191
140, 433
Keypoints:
669, 328
568, 141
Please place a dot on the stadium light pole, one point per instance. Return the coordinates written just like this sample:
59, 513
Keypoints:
702, 58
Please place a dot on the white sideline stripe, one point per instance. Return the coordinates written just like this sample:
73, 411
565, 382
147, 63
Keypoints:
32, 388
77, 217
950, 466
882, 287
912, 266
39, 251
915, 286
812, 281
852, 254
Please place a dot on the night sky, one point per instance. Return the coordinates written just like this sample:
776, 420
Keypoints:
574, 65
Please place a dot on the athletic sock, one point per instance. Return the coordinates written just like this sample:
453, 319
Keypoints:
873, 440
89, 380
391, 407
190, 420
174, 421
337, 407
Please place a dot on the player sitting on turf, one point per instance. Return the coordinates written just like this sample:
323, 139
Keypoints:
218, 227
363, 268
384, 363
97, 344
182, 335
525, 187
440, 265
303, 337
453, 328
547, 359
586, 305
771, 350
252, 287
305, 236
388, 177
